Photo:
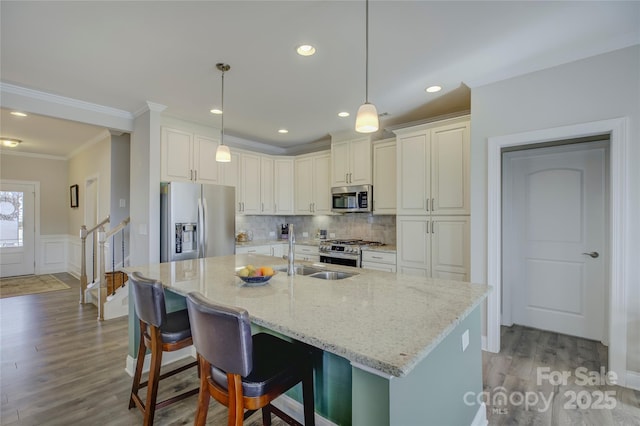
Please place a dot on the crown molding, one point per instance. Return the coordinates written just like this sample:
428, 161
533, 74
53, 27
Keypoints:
4, 152
63, 100
149, 106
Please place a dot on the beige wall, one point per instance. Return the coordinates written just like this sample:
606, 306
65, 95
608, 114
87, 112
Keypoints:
92, 162
598, 88
54, 188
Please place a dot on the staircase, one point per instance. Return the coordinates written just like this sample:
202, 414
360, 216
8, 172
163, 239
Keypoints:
109, 292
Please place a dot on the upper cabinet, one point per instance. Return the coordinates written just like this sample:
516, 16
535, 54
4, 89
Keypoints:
313, 184
188, 157
283, 185
351, 162
384, 176
433, 168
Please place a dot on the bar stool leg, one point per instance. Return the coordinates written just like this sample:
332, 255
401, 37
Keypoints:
307, 397
203, 396
137, 375
154, 376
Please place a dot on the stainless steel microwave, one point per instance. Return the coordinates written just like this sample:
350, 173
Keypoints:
351, 199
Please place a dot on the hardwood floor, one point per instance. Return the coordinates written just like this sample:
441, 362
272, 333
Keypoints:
528, 370
59, 366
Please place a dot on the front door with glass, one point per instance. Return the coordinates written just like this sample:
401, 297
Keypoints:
17, 235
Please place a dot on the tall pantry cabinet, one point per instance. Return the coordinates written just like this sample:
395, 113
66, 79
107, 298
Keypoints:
433, 199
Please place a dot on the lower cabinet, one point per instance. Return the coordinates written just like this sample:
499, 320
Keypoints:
308, 253
277, 250
434, 246
379, 261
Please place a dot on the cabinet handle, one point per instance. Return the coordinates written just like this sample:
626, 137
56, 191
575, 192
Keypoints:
275, 207
432, 226
263, 207
190, 174
195, 175
377, 257
313, 207
346, 177
350, 177
432, 203
243, 206
239, 207
427, 200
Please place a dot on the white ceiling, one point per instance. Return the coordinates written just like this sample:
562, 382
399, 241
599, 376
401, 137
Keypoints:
122, 54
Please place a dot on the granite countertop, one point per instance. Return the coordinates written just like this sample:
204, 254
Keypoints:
381, 320
253, 243
387, 248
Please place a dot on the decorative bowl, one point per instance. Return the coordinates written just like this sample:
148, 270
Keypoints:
261, 280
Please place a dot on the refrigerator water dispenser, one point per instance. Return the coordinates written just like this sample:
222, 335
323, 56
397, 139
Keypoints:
186, 240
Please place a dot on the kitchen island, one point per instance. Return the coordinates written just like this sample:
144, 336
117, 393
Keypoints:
401, 336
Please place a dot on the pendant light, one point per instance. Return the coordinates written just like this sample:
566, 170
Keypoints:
367, 117
223, 155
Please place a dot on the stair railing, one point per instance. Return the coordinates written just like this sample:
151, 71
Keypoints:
84, 233
103, 236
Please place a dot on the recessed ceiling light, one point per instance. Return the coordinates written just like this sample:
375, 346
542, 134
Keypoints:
433, 89
216, 111
343, 114
283, 131
18, 114
10, 142
305, 50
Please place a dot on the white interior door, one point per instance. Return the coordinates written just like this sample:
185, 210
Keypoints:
554, 252
17, 229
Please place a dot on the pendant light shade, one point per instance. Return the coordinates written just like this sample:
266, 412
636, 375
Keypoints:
223, 155
367, 117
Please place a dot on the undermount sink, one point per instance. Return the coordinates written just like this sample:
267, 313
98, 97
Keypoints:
332, 275
322, 274
300, 269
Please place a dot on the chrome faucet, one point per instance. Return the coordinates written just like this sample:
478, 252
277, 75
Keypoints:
292, 245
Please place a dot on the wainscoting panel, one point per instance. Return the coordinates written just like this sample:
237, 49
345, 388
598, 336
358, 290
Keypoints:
75, 255
53, 254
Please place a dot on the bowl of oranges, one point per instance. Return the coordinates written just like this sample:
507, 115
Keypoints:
255, 276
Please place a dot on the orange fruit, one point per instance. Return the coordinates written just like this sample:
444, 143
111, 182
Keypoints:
267, 271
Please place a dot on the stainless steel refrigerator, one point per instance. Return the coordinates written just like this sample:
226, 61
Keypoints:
196, 220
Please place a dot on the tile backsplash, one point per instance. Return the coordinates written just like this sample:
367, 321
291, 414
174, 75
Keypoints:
352, 225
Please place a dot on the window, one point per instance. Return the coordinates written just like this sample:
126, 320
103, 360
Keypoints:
11, 219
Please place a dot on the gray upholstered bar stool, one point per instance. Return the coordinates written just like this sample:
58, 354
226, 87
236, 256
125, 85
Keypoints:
243, 371
159, 332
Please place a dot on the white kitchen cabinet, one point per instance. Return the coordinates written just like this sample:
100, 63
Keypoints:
434, 246
379, 260
384, 177
306, 252
250, 183
312, 184
433, 168
277, 250
267, 201
261, 249
283, 182
351, 162
188, 157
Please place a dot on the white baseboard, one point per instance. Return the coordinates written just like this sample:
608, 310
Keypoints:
633, 380
167, 358
295, 409
480, 418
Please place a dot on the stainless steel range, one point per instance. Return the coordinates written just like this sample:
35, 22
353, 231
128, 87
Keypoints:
344, 252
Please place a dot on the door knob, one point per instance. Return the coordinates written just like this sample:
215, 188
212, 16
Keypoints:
593, 254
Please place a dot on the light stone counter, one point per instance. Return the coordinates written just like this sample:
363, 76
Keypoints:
381, 320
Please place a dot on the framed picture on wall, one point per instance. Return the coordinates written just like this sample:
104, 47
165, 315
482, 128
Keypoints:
74, 195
